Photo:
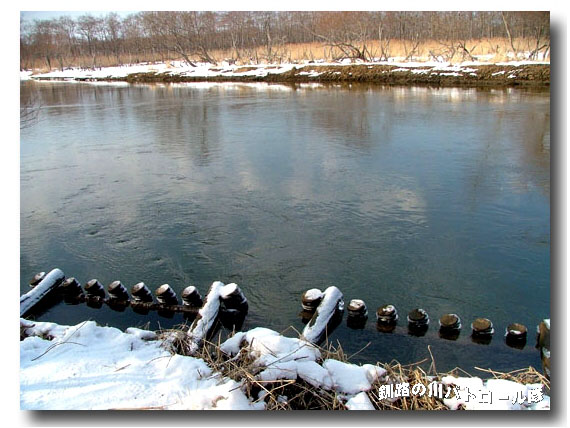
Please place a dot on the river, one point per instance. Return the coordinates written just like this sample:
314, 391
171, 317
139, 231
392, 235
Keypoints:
436, 198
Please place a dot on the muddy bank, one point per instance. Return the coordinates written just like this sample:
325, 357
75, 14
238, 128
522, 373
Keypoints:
537, 75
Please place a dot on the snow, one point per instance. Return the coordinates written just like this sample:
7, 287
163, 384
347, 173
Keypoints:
313, 294
350, 378
173, 68
87, 366
206, 315
359, 402
280, 357
493, 394
269, 347
312, 73
92, 367
205, 70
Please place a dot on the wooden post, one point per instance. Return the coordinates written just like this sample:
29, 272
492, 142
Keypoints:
34, 296
332, 303
206, 317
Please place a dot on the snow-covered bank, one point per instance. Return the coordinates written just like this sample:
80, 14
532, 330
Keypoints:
473, 73
92, 367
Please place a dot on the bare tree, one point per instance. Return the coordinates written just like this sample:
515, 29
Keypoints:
90, 27
509, 35
192, 36
183, 33
112, 30
66, 39
345, 32
539, 23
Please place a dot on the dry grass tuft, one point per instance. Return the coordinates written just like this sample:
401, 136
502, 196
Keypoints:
285, 394
525, 376
299, 395
412, 374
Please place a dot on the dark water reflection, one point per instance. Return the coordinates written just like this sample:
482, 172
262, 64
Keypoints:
436, 198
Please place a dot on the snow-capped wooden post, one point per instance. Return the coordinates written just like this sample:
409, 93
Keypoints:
191, 297
206, 317
48, 283
117, 291
166, 295
37, 278
141, 293
357, 314
332, 304
234, 307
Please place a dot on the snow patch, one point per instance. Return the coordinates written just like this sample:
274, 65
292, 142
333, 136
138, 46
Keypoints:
359, 402
88, 367
499, 394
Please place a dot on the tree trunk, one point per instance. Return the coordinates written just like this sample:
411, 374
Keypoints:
509, 34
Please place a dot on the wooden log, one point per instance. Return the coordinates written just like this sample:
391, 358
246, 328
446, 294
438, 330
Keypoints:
206, 317
331, 304
42, 289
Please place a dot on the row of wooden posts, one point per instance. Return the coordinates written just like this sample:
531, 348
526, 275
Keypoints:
417, 319
321, 310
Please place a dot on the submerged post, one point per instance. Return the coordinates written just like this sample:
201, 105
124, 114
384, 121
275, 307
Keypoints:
48, 283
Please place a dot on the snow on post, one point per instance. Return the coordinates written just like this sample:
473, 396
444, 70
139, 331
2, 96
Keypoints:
332, 301
206, 317
34, 296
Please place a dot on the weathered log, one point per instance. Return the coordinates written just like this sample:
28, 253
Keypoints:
330, 308
206, 317
41, 289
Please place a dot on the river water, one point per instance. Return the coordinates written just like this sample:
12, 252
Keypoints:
419, 197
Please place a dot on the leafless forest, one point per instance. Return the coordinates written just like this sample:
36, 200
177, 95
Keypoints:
255, 37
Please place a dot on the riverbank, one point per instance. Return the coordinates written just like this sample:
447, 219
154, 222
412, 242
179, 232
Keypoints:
88, 366
469, 74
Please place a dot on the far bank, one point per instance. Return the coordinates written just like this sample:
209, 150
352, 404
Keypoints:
510, 74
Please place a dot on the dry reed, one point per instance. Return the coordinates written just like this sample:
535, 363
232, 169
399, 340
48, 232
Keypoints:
299, 395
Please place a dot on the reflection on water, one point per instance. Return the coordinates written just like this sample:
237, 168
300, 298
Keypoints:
426, 197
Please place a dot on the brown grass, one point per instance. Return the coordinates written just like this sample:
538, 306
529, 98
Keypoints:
525, 376
412, 374
424, 51
302, 396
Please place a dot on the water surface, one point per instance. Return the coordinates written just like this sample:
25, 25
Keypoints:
419, 197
